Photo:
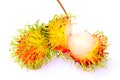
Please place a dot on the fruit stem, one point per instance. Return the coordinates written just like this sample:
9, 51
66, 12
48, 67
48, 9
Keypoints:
62, 7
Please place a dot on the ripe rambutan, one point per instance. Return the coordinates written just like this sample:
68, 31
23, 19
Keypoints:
30, 48
88, 50
59, 29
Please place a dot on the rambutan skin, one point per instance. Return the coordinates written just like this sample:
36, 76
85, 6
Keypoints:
31, 46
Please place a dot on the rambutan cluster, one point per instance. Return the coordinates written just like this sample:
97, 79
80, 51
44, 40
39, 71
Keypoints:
38, 44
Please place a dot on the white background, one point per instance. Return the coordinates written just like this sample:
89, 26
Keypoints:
92, 15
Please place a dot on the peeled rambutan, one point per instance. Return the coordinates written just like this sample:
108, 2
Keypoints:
59, 30
30, 48
88, 50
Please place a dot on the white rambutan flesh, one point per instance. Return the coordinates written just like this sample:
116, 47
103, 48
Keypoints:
80, 44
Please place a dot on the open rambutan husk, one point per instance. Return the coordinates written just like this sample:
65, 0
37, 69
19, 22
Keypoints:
97, 56
30, 49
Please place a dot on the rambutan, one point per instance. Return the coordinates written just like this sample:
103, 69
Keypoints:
30, 48
88, 50
59, 29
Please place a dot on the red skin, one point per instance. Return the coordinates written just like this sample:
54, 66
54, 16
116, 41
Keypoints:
64, 50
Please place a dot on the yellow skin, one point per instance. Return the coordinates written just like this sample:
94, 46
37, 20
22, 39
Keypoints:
31, 47
59, 31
